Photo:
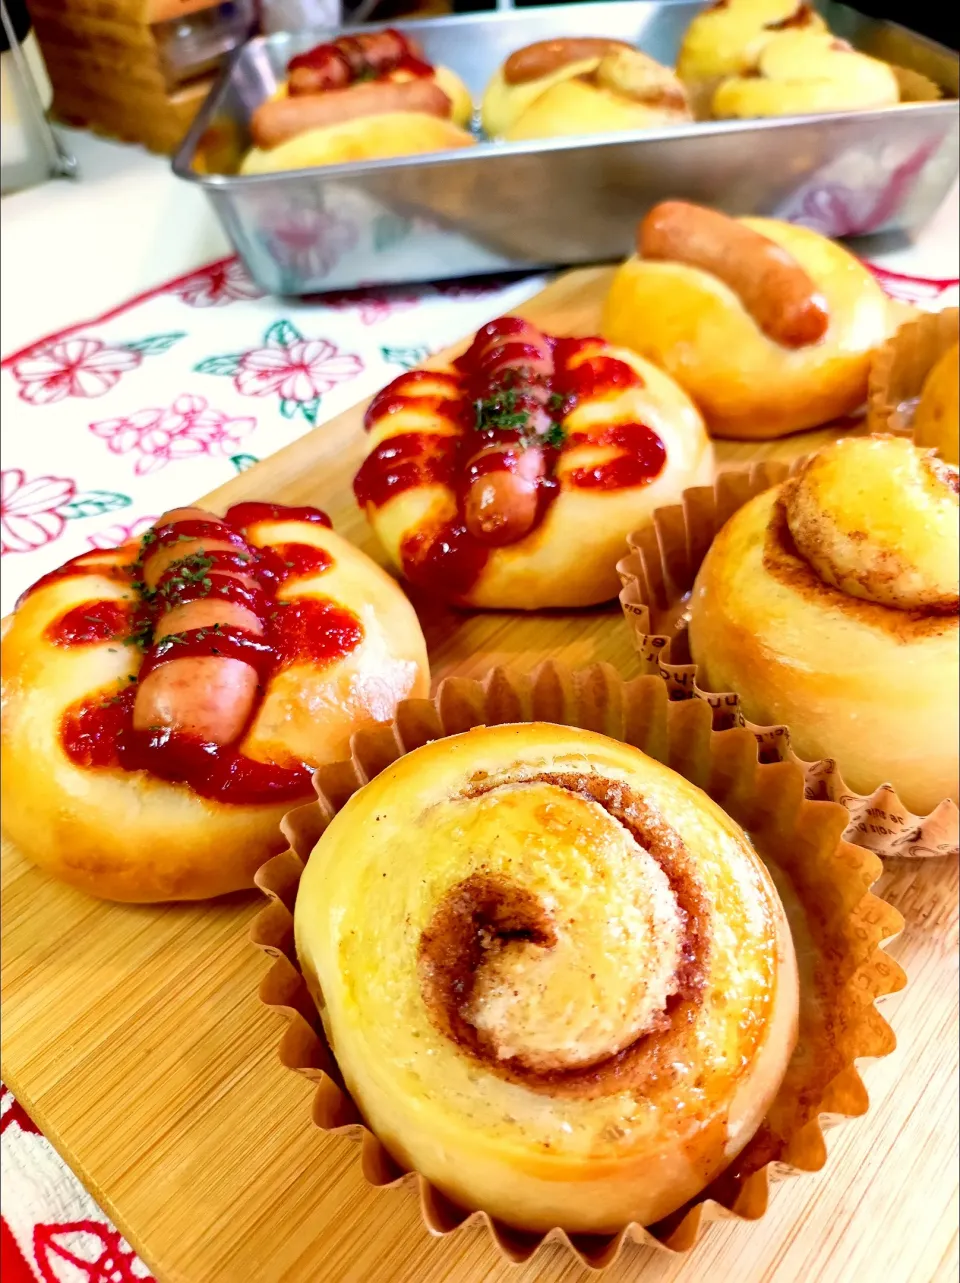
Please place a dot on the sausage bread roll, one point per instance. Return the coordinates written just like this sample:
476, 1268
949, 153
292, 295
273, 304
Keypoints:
363, 97
590, 85
511, 479
164, 704
770, 328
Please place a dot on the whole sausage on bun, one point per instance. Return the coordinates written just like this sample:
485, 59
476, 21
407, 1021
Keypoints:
582, 85
364, 97
770, 328
165, 703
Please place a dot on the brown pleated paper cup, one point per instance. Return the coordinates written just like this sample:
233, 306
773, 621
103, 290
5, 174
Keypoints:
900, 367
658, 575
824, 882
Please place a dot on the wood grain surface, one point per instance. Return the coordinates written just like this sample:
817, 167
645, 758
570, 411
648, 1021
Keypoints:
135, 1038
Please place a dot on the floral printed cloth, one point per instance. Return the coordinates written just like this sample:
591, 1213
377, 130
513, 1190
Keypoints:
111, 422
165, 398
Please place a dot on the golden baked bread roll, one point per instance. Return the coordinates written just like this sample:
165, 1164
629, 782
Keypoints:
556, 88
726, 37
164, 704
829, 604
511, 479
399, 133
769, 327
937, 420
798, 72
557, 979
356, 98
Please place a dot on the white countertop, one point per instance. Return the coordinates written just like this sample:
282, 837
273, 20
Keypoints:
75, 248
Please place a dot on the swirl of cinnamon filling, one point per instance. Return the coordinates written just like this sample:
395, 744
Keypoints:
877, 518
556, 978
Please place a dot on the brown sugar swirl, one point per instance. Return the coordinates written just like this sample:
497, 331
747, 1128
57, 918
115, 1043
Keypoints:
556, 978
492, 949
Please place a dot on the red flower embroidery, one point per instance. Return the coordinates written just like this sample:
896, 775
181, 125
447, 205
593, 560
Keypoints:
30, 510
84, 1250
297, 371
217, 285
117, 535
73, 367
158, 436
913, 289
12, 1112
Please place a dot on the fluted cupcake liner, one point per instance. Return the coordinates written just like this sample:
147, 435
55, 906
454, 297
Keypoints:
824, 882
657, 576
900, 366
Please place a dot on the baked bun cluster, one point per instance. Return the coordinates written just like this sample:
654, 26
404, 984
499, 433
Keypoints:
511, 478
769, 327
363, 97
585, 85
164, 704
750, 58
829, 604
577, 995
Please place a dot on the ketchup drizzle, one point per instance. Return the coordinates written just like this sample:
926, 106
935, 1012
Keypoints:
91, 624
517, 378
99, 731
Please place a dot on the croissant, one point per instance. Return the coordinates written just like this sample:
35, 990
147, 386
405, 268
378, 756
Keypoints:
829, 603
164, 704
557, 979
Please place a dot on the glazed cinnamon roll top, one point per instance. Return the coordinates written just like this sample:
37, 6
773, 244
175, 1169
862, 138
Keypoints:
877, 518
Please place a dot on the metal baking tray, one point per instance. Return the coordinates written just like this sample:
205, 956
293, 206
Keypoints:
514, 206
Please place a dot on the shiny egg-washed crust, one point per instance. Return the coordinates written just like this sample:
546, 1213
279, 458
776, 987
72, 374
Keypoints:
569, 558
632, 1003
371, 138
127, 835
622, 90
396, 133
870, 686
747, 386
799, 72
725, 38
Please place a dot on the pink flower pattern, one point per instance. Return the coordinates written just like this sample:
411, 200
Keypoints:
159, 436
75, 367
30, 515
217, 285
300, 370
116, 535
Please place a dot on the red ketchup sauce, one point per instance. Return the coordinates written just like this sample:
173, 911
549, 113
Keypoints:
370, 57
99, 731
513, 388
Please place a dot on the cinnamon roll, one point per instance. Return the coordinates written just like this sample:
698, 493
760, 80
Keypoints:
557, 979
829, 603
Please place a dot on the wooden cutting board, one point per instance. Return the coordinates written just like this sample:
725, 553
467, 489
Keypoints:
134, 1036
